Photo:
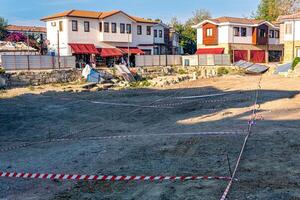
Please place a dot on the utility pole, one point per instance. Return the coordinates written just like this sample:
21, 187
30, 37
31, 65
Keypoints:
58, 50
128, 49
28, 42
294, 32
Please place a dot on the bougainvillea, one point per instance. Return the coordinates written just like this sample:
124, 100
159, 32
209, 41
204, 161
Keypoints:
16, 37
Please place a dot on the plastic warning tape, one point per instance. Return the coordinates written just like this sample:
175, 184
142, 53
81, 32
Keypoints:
106, 177
120, 137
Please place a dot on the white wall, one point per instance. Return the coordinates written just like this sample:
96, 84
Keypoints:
289, 37
159, 40
199, 36
116, 37
223, 34
144, 38
274, 40
95, 36
52, 36
240, 39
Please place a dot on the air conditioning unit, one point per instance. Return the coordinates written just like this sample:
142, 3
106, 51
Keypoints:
53, 24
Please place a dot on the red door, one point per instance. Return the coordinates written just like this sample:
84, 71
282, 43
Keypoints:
240, 55
258, 56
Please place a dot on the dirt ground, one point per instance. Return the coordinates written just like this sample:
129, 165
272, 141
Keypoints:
269, 168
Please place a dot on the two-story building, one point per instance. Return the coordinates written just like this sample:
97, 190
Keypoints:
106, 36
245, 39
36, 32
290, 35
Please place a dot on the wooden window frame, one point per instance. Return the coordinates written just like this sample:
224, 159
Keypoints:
74, 22
128, 28
209, 32
160, 33
139, 30
86, 26
60, 26
245, 29
236, 31
122, 28
106, 27
148, 30
155, 33
114, 27
100, 26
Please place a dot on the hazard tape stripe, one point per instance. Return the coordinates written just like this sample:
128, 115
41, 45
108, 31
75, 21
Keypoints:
121, 137
107, 177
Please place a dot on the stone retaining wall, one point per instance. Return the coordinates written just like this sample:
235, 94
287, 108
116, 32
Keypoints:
27, 78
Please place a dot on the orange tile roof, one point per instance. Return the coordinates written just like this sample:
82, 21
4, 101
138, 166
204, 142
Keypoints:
287, 17
94, 15
26, 28
236, 20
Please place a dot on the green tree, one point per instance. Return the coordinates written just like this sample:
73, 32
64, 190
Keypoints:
187, 34
271, 9
3, 25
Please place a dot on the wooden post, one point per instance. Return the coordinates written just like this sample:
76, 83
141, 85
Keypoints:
28, 63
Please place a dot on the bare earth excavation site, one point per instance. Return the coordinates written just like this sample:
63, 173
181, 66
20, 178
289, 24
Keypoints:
188, 141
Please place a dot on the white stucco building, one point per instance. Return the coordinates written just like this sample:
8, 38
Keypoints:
109, 34
290, 32
245, 39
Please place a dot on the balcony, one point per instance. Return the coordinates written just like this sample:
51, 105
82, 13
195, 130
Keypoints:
115, 37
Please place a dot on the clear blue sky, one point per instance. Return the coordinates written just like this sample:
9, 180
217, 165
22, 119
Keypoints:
28, 12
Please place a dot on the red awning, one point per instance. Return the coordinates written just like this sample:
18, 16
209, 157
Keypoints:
83, 48
109, 52
132, 50
210, 51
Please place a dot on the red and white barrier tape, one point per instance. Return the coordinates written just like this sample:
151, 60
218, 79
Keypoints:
251, 123
121, 137
107, 178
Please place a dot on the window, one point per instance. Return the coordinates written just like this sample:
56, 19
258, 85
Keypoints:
106, 27
288, 28
148, 30
261, 32
86, 26
122, 28
236, 31
74, 25
128, 28
209, 32
243, 32
272, 34
155, 33
160, 33
113, 27
61, 26
100, 26
139, 29
276, 34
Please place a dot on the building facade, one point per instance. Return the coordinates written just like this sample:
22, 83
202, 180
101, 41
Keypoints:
290, 35
245, 39
39, 33
103, 34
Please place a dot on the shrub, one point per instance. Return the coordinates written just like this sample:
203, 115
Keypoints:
2, 70
295, 62
222, 71
182, 71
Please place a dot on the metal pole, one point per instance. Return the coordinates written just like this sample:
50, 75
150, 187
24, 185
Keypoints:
294, 32
128, 49
28, 42
58, 50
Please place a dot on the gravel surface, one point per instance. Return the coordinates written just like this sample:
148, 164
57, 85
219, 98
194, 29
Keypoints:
269, 168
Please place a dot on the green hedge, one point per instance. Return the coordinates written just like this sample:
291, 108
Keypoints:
295, 62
